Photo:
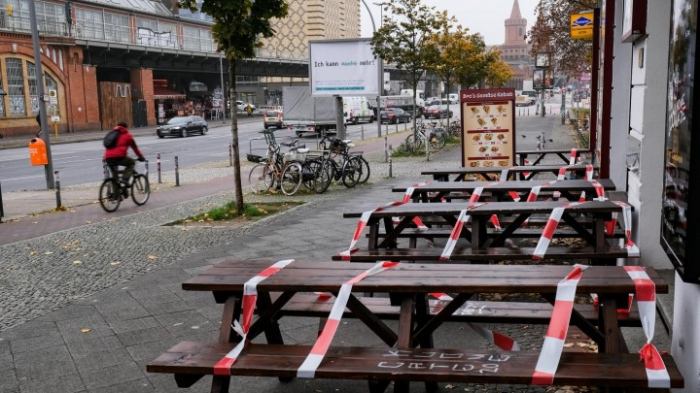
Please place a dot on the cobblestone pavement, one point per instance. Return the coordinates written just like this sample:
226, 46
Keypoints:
84, 310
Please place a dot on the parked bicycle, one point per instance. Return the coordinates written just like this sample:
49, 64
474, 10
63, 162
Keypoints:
273, 171
114, 189
341, 164
436, 139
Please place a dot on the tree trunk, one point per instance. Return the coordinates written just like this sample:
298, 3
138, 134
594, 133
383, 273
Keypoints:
234, 135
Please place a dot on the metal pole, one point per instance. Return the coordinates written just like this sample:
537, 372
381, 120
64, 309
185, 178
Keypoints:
386, 149
391, 154
177, 173
223, 90
230, 154
2, 209
362, 130
48, 168
58, 191
160, 180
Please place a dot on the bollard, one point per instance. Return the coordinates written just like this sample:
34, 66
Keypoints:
386, 149
230, 154
386, 130
362, 130
160, 180
391, 154
58, 190
2, 209
177, 173
397, 127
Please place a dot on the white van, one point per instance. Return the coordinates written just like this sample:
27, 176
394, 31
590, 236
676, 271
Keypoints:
357, 109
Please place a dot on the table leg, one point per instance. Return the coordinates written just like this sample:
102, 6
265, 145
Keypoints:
232, 311
600, 242
614, 342
406, 320
422, 318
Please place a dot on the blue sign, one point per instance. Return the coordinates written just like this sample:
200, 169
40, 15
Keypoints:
582, 21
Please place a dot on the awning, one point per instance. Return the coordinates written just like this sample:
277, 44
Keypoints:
162, 93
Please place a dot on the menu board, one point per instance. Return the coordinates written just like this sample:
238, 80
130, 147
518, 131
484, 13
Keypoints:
488, 127
680, 227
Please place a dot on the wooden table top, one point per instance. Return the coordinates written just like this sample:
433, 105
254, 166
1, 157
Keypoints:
454, 208
511, 169
521, 185
300, 276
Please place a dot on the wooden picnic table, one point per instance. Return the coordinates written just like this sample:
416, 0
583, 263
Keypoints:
434, 192
493, 174
564, 154
411, 283
486, 244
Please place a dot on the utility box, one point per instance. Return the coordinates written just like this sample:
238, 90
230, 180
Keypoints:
37, 152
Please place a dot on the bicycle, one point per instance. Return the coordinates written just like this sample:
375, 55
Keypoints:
273, 170
113, 190
338, 163
327, 143
435, 139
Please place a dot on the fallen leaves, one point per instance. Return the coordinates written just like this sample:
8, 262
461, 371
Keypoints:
77, 262
114, 263
85, 330
152, 257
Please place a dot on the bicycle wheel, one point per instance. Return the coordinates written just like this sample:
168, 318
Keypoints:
437, 140
364, 165
352, 170
291, 178
309, 170
110, 195
413, 146
140, 190
259, 179
324, 177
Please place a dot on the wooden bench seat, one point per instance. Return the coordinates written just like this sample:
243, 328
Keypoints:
191, 360
483, 255
472, 311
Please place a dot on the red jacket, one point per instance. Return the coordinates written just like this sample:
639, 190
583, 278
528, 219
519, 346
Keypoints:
123, 143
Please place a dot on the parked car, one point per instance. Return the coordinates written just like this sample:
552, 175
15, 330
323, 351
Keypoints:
438, 112
273, 119
182, 126
523, 100
394, 115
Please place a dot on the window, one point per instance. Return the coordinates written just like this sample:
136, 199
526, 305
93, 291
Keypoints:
89, 24
15, 86
54, 110
116, 28
51, 18
152, 33
33, 91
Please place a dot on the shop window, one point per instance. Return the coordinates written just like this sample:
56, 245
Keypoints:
15, 87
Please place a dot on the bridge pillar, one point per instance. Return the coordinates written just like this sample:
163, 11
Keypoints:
142, 89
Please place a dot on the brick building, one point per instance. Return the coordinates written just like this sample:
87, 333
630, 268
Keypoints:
142, 60
516, 51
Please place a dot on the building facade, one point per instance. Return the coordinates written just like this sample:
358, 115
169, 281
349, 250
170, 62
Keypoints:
143, 61
516, 51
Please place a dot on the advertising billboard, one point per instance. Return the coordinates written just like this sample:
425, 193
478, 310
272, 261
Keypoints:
488, 128
343, 68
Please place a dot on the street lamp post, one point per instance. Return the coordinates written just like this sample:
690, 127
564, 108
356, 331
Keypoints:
48, 168
381, 72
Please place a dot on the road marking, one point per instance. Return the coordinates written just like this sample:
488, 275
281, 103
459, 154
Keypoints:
22, 178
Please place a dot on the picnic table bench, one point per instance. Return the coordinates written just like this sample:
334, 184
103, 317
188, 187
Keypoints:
401, 360
435, 192
526, 172
486, 244
564, 154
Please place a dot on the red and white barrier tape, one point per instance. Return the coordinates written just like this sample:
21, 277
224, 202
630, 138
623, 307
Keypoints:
589, 172
318, 352
345, 255
599, 190
561, 176
572, 159
250, 296
457, 231
504, 177
476, 195
632, 249
646, 302
549, 229
526, 162
553, 345
493, 337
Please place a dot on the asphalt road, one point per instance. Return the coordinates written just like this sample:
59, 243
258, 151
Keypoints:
81, 162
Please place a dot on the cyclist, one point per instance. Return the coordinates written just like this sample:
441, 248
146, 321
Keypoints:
117, 156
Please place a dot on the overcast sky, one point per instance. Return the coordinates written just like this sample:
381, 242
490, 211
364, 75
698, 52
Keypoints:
485, 17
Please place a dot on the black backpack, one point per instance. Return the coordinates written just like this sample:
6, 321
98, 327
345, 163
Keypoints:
111, 139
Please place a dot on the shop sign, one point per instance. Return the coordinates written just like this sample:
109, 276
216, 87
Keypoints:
582, 25
488, 128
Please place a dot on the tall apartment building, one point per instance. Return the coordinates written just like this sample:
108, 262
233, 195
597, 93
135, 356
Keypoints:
310, 20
